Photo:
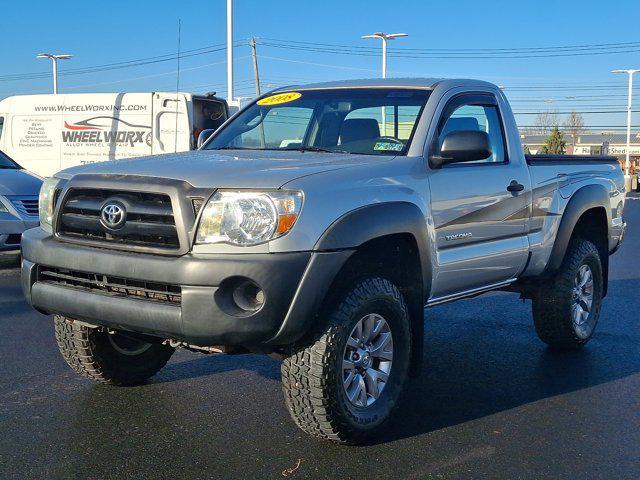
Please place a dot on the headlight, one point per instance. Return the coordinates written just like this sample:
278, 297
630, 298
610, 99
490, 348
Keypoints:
3, 207
46, 203
247, 217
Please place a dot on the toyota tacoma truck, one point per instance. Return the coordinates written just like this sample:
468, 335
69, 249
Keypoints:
316, 225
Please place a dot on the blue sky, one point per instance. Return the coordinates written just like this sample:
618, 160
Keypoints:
99, 33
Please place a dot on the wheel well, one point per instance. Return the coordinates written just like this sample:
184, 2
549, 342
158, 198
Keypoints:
593, 226
396, 258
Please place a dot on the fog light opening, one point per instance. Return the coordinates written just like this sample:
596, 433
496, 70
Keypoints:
248, 296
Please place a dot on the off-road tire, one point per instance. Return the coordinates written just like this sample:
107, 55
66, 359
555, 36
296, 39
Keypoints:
312, 373
552, 303
90, 352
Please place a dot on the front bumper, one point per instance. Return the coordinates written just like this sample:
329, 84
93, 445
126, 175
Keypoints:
11, 229
294, 285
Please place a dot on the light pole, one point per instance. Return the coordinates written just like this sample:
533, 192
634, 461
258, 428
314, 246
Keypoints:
385, 37
627, 163
230, 99
54, 61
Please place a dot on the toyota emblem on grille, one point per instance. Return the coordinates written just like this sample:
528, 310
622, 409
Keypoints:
113, 215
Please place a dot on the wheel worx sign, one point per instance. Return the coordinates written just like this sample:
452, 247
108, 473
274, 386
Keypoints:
106, 130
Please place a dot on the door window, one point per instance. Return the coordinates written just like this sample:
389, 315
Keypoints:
484, 118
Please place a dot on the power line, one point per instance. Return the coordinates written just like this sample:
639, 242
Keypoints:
155, 75
575, 111
417, 54
317, 64
597, 46
122, 64
596, 127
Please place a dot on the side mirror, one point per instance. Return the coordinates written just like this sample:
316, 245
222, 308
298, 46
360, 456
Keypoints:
204, 136
463, 146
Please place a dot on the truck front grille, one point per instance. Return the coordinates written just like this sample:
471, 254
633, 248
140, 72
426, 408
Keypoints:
149, 218
110, 285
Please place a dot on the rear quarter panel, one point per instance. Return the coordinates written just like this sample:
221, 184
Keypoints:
553, 186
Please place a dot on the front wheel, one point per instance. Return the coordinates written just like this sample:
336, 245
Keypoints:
567, 308
112, 358
344, 382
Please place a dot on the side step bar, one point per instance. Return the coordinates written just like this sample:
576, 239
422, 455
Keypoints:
468, 293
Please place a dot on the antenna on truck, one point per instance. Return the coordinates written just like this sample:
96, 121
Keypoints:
175, 138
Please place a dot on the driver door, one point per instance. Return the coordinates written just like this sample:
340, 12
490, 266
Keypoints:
479, 224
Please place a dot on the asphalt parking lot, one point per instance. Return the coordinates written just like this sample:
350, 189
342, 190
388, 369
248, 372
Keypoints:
493, 402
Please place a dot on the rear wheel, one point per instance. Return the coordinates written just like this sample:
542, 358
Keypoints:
112, 358
344, 382
567, 308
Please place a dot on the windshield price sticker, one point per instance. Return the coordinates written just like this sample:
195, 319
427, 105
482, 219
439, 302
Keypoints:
280, 98
388, 146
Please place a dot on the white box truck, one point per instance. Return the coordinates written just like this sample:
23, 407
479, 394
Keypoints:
47, 133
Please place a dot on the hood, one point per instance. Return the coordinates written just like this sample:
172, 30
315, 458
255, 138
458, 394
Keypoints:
19, 182
228, 168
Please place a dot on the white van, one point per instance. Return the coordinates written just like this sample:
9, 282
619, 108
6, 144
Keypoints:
46, 133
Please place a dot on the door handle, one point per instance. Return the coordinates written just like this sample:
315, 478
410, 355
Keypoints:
514, 186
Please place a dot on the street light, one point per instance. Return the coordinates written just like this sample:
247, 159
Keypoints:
627, 164
54, 61
384, 37
230, 99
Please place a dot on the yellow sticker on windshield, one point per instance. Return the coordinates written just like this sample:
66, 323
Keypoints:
280, 98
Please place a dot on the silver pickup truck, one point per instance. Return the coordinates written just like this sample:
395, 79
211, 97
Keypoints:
316, 225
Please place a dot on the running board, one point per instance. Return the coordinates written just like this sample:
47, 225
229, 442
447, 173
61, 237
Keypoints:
468, 293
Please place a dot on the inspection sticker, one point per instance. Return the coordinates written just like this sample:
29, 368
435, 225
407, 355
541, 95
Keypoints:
389, 146
280, 98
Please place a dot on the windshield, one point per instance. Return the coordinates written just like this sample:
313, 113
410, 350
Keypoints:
371, 121
6, 162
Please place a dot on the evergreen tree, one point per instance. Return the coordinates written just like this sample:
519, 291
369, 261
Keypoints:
555, 143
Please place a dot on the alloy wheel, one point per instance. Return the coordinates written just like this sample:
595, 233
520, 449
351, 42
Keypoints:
367, 360
582, 296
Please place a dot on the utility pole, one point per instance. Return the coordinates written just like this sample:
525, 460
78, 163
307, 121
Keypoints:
54, 61
256, 75
627, 164
230, 52
385, 37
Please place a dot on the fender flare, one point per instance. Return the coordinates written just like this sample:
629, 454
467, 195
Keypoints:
334, 248
586, 198
358, 226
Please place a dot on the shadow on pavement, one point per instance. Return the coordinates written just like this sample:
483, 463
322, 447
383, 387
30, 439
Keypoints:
218, 363
476, 364
470, 372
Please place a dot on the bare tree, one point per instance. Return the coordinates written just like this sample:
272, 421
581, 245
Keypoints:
544, 122
574, 126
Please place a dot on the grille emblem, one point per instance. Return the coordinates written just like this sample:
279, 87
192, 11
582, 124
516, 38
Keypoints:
113, 215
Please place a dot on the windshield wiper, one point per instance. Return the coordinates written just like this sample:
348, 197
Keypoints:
228, 147
312, 149
286, 149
